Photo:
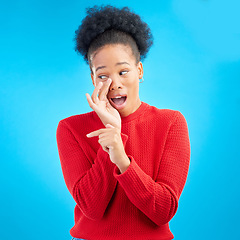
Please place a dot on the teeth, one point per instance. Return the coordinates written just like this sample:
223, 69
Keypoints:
118, 97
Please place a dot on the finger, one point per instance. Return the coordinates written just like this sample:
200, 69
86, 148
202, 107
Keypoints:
100, 132
106, 149
105, 144
90, 102
95, 133
95, 98
104, 90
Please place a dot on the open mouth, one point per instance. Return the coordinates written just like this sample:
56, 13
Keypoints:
119, 102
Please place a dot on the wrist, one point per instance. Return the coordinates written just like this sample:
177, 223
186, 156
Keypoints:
123, 166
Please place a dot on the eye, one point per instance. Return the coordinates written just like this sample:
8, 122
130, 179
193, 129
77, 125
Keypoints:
103, 77
123, 72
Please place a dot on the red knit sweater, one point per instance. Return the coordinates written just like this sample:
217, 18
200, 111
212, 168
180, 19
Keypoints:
139, 203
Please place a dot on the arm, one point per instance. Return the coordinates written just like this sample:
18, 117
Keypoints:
159, 199
91, 184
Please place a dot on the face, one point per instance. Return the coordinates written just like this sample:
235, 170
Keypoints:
118, 63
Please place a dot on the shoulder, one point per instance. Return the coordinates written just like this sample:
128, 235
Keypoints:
164, 120
163, 115
81, 123
77, 119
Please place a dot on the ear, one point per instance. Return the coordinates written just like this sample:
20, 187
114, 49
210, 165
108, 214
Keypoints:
93, 80
140, 69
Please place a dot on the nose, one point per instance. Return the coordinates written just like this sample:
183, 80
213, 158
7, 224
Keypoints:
116, 84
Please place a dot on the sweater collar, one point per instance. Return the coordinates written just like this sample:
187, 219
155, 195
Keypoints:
135, 114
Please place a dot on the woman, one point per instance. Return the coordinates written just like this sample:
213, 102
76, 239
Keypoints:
126, 162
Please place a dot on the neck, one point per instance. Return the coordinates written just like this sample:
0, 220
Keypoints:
131, 109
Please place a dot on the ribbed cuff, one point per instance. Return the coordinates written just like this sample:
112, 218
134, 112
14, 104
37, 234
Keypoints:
121, 176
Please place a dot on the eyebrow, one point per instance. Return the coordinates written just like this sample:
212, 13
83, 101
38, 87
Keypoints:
119, 63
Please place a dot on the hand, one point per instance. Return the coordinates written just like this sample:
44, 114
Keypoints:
111, 142
100, 104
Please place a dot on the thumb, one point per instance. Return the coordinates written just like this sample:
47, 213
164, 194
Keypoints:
109, 106
109, 126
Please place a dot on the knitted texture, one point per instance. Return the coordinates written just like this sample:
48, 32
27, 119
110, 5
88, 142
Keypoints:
139, 203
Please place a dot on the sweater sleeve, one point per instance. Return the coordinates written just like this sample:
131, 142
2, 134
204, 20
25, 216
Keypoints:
90, 181
158, 199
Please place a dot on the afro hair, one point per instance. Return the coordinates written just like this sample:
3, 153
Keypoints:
100, 19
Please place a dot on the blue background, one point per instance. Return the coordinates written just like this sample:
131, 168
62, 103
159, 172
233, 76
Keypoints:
193, 67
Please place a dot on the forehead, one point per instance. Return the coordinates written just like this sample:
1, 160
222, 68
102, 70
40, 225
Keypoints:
111, 54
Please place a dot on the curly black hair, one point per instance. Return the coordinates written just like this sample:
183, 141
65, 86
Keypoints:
110, 25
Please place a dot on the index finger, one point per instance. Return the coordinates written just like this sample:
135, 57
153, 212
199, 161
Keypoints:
95, 133
104, 90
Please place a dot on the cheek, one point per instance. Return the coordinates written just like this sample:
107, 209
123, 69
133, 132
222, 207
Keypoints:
132, 79
97, 81
133, 86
